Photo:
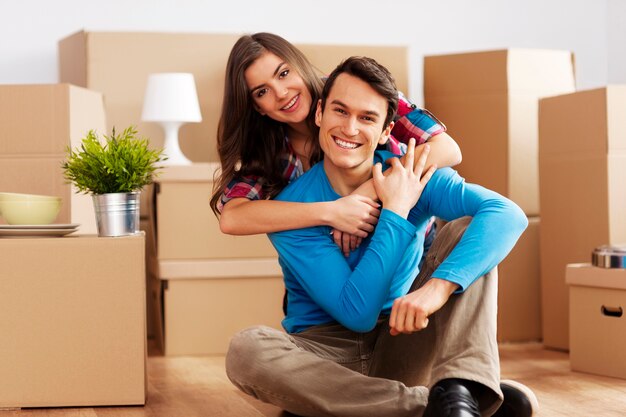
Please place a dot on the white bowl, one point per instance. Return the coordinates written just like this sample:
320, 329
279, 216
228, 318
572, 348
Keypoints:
29, 208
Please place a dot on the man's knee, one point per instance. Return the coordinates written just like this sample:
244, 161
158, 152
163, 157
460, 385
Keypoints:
242, 352
454, 229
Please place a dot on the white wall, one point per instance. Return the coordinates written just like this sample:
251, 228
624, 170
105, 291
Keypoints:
30, 29
616, 52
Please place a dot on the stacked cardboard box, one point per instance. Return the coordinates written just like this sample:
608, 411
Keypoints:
37, 124
582, 162
212, 284
598, 323
72, 320
489, 100
519, 300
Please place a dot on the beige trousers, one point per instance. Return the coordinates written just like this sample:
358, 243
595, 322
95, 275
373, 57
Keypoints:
329, 370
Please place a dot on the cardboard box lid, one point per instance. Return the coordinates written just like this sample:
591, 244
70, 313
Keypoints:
42, 120
196, 172
499, 71
587, 275
589, 121
219, 268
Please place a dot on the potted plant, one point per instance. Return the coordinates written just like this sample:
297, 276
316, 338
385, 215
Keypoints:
113, 171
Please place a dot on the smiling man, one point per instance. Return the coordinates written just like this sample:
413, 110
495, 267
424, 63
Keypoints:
369, 334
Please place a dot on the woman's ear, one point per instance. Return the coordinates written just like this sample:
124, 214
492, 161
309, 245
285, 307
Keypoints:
258, 109
318, 113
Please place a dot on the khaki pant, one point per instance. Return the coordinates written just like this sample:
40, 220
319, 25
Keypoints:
329, 370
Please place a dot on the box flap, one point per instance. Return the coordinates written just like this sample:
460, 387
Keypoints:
542, 71
465, 73
73, 59
574, 124
33, 119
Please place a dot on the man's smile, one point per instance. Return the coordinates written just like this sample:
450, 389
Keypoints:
344, 144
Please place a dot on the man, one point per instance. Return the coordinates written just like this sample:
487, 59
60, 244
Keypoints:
364, 336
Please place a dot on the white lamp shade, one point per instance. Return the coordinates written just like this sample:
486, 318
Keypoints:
171, 97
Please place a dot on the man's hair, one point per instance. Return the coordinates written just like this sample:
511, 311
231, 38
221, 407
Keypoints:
370, 71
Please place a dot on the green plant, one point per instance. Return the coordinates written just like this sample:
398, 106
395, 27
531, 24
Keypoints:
123, 163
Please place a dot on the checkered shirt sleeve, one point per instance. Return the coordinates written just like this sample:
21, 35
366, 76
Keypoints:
412, 122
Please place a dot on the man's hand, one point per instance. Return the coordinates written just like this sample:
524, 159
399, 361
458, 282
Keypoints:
410, 313
400, 190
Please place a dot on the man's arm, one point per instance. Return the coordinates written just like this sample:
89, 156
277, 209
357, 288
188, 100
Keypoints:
496, 225
353, 297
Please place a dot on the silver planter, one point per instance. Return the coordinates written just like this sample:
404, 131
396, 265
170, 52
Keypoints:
117, 214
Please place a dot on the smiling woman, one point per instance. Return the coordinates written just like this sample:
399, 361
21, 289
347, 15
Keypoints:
267, 137
277, 91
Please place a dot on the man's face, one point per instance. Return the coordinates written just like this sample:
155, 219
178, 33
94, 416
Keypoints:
351, 124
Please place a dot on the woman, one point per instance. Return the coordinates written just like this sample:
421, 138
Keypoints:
267, 137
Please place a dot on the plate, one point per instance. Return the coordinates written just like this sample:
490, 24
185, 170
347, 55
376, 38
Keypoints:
38, 226
35, 232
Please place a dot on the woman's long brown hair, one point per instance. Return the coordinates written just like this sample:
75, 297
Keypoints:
247, 142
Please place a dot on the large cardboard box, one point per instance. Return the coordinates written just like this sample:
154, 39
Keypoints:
72, 321
597, 320
92, 60
582, 164
488, 100
519, 297
37, 124
206, 303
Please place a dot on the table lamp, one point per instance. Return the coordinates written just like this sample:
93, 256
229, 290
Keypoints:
171, 100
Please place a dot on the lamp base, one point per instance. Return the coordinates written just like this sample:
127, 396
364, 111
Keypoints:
171, 149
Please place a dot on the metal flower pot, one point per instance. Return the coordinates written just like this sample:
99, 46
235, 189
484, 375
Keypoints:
117, 214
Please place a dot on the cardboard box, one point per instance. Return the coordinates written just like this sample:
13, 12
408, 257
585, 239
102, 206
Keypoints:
72, 320
187, 228
597, 320
37, 124
202, 313
91, 59
519, 297
582, 163
198, 276
488, 100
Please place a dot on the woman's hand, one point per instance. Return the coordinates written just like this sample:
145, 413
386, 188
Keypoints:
346, 241
354, 214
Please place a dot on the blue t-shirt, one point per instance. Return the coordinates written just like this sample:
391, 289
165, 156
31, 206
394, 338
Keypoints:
324, 286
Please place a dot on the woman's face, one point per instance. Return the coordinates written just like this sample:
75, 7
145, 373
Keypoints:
277, 89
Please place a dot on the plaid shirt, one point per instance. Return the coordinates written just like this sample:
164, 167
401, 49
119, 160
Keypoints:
410, 122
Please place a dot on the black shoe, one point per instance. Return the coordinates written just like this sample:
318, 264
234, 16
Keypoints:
519, 400
451, 398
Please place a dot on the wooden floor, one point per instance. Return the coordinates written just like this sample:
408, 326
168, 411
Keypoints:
197, 386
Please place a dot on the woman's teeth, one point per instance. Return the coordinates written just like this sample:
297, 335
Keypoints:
291, 103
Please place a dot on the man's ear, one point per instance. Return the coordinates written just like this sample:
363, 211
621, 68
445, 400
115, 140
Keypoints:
318, 113
384, 136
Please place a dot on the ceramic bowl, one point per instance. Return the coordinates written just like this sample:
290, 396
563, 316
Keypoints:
29, 208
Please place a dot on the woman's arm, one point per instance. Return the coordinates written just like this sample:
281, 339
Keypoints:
444, 152
352, 214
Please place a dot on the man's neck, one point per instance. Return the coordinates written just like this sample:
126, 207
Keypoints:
345, 180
